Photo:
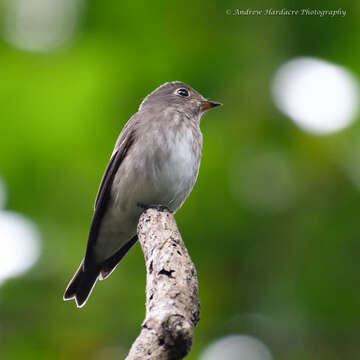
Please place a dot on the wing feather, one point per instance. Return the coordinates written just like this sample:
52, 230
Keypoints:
122, 147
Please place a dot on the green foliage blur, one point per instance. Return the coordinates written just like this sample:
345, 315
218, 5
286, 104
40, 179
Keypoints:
284, 270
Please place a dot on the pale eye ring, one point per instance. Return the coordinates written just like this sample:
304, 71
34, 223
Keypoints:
182, 92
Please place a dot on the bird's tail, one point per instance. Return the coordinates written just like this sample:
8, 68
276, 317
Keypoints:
81, 285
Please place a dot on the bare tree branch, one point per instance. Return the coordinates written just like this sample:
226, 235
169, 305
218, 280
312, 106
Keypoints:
172, 305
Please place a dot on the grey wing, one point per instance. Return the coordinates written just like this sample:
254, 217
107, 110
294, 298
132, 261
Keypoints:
122, 144
125, 141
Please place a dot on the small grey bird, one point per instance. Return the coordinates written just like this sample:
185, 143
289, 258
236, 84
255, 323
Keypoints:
155, 163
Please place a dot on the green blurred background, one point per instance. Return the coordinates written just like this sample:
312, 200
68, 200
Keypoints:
273, 221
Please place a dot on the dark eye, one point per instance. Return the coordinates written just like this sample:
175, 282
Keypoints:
182, 92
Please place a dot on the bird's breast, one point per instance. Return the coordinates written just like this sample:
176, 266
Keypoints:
175, 165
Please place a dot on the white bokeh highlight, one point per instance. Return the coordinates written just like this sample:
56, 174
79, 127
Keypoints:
40, 25
320, 97
236, 347
19, 245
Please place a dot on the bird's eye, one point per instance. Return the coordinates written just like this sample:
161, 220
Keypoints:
182, 92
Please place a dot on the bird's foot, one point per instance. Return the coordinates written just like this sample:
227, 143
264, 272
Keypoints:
157, 207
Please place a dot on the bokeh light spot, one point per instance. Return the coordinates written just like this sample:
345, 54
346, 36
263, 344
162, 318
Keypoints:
40, 25
320, 97
19, 244
236, 347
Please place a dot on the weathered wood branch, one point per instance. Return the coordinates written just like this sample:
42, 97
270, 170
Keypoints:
172, 305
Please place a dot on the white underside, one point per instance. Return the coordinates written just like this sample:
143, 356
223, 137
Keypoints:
150, 175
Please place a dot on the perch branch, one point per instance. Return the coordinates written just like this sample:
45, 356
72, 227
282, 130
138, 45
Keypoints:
172, 305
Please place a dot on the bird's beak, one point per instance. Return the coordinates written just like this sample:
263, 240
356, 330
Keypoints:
207, 104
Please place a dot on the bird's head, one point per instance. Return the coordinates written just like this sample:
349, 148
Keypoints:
180, 97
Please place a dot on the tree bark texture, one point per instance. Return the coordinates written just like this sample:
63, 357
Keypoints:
172, 305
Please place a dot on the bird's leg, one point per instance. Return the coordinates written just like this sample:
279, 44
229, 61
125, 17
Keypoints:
157, 207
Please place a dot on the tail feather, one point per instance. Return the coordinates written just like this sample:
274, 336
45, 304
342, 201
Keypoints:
81, 284
110, 264
84, 280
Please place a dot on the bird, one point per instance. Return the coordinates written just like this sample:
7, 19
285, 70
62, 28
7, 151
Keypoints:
155, 163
